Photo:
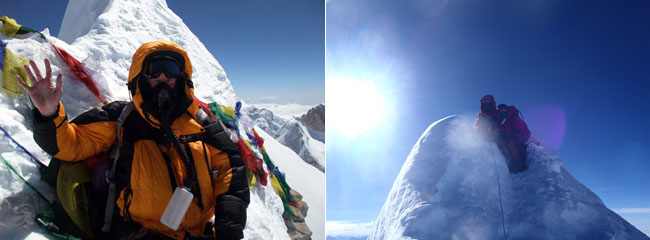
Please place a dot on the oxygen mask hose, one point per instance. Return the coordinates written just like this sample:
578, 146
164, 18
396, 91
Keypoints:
170, 135
189, 165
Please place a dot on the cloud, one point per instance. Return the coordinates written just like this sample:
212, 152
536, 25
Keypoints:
348, 228
632, 210
269, 98
295, 97
285, 110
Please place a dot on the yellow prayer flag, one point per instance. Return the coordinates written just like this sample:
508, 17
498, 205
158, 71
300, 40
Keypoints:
251, 179
276, 185
228, 110
14, 66
10, 26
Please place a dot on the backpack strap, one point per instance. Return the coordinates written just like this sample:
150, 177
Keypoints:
114, 154
216, 135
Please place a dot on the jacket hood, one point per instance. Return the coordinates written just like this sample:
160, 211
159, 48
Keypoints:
135, 75
489, 108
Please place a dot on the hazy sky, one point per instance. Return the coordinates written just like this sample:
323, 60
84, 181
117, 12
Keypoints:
272, 51
578, 71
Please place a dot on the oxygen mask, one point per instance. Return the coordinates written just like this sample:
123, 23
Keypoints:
160, 102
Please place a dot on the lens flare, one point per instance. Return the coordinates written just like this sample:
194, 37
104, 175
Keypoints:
548, 123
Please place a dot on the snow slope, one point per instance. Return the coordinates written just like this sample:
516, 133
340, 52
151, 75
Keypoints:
295, 132
121, 27
296, 136
302, 177
264, 118
447, 189
105, 44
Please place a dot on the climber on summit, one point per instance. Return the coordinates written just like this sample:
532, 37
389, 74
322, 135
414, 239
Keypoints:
513, 139
486, 121
153, 162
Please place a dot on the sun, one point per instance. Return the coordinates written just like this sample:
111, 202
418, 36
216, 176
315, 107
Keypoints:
356, 105
360, 85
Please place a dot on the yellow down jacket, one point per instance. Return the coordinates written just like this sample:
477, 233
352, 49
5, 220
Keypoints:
143, 198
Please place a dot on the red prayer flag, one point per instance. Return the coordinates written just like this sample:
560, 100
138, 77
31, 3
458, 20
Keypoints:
77, 69
253, 163
260, 141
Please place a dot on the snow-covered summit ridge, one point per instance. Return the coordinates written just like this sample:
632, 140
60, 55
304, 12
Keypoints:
264, 118
314, 120
79, 18
448, 188
105, 34
295, 135
304, 135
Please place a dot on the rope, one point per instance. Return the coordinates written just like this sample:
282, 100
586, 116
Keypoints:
21, 178
503, 220
40, 165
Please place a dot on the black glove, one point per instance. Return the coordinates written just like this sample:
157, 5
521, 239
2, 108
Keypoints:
229, 217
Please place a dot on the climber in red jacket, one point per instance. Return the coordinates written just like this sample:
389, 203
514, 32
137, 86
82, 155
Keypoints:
514, 135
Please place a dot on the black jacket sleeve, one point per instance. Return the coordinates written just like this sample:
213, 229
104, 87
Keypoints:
230, 208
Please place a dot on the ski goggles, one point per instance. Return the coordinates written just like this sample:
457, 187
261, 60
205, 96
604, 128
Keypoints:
486, 100
160, 64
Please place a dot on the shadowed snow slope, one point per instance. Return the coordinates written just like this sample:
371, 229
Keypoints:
447, 189
314, 120
296, 136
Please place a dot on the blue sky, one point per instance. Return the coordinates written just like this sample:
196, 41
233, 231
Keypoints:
272, 51
578, 71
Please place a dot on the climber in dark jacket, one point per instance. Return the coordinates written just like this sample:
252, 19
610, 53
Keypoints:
486, 121
513, 137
